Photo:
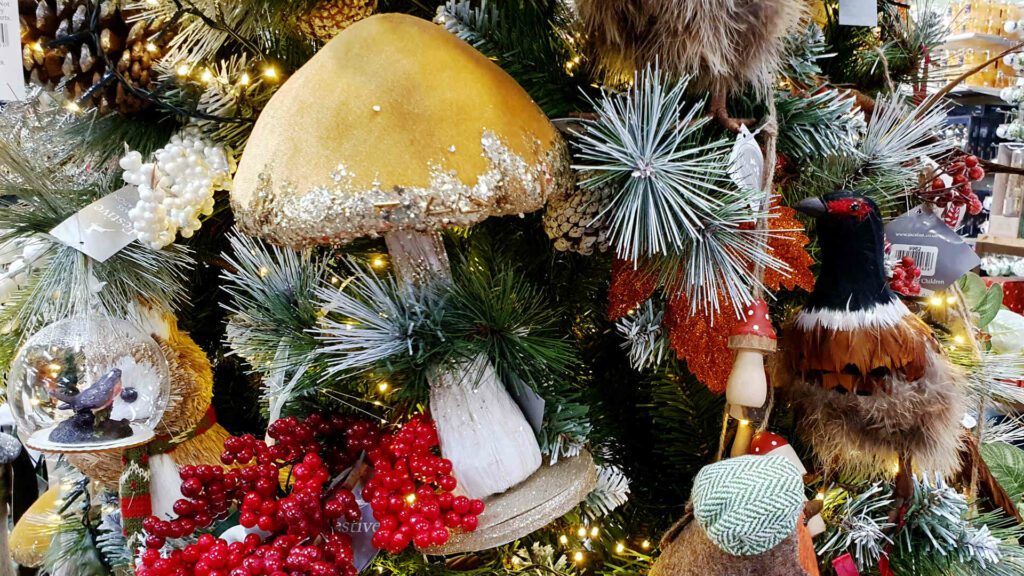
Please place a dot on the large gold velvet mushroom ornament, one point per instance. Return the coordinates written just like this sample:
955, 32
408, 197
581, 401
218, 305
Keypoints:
394, 126
397, 128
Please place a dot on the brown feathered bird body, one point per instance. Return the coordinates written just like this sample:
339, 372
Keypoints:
724, 45
870, 382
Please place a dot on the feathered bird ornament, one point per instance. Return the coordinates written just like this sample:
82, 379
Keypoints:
724, 45
870, 382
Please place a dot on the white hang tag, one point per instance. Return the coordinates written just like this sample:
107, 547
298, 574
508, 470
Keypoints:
12, 72
102, 228
858, 13
361, 532
531, 403
746, 161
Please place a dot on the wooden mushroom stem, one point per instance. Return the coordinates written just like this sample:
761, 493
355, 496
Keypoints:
753, 342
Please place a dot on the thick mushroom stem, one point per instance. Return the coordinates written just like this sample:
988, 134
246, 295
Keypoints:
418, 257
482, 430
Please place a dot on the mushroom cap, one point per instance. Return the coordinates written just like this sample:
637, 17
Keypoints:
764, 442
395, 124
756, 330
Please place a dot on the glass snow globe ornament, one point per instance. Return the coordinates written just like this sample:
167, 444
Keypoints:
88, 384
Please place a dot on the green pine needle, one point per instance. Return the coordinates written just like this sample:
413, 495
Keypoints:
647, 144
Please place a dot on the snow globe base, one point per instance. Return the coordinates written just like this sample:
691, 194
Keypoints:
40, 441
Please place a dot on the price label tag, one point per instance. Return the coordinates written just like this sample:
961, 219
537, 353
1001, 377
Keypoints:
102, 228
858, 13
529, 402
12, 75
940, 253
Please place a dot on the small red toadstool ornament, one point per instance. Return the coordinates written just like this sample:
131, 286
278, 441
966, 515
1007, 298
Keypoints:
747, 385
764, 443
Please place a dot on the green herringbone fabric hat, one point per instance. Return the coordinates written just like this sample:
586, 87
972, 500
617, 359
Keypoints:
747, 505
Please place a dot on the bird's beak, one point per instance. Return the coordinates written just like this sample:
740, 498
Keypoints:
813, 206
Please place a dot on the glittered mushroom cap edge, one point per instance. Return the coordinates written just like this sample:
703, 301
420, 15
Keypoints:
395, 124
342, 211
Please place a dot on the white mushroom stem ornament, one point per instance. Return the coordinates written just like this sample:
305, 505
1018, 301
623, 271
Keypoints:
765, 443
755, 337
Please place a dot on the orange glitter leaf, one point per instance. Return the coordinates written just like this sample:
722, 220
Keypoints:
702, 341
629, 288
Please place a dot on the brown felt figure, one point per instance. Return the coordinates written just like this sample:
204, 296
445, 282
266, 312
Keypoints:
745, 519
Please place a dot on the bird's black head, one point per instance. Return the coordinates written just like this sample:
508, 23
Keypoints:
841, 208
851, 236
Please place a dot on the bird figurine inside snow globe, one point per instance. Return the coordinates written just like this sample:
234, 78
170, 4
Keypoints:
88, 384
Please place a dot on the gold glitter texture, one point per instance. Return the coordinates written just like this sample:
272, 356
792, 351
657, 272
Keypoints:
395, 124
550, 493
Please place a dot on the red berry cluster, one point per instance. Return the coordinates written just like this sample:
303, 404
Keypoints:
906, 277
318, 449
210, 556
963, 170
411, 491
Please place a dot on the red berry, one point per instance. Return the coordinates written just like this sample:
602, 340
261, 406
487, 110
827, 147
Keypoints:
460, 504
976, 173
971, 161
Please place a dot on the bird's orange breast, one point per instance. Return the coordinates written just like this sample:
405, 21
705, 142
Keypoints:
859, 360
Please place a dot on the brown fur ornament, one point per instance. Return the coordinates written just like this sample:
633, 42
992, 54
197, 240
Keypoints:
865, 434
724, 44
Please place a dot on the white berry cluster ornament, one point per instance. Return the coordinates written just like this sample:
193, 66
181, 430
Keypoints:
177, 187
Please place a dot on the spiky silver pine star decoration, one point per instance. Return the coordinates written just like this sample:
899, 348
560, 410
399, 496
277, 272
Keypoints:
673, 203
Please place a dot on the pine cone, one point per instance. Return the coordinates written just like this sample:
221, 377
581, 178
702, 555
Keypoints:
570, 220
62, 52
329, 17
